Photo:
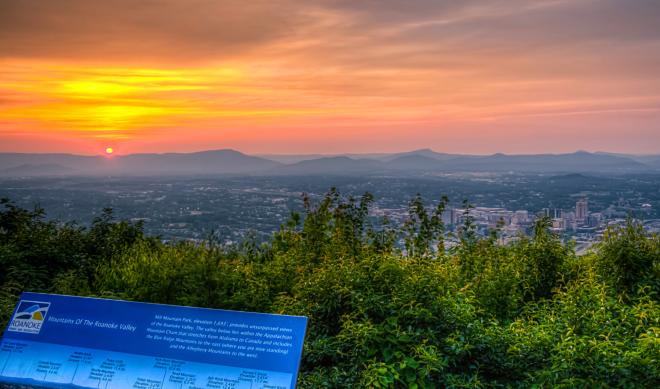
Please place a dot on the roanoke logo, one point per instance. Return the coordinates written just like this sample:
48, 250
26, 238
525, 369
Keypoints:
29, 317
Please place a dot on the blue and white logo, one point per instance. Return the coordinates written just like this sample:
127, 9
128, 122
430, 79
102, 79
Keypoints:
29, 317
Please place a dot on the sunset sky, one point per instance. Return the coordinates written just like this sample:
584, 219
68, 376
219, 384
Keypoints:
330, 76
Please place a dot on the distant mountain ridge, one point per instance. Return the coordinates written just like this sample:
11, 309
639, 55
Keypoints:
227, 161
202, 163
428, 161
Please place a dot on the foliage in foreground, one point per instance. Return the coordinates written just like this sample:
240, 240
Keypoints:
530, 314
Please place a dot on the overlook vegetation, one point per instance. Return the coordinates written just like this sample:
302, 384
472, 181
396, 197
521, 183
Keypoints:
529, 314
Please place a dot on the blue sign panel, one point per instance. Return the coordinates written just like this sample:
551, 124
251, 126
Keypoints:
76, 342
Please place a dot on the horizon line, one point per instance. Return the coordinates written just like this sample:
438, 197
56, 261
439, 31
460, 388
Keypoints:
339, 154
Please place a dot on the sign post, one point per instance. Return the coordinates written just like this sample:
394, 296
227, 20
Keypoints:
76, 342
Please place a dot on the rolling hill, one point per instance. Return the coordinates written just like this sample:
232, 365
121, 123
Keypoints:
220, 162
201, 163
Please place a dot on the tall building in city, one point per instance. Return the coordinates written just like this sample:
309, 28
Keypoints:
582, 210
521, 217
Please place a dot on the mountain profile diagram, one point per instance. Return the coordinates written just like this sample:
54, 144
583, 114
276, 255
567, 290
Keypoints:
32, 310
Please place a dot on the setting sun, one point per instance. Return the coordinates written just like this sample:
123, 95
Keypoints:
109, 150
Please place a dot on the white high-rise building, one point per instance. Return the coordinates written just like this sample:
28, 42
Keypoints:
521, 217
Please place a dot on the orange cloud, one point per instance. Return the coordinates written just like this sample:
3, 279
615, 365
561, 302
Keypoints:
297, 76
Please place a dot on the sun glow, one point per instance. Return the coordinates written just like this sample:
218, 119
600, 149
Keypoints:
115, 103
109, 150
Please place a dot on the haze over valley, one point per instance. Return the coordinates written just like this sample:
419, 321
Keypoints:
222, 162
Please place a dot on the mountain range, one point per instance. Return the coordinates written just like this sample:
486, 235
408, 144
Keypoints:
223, 162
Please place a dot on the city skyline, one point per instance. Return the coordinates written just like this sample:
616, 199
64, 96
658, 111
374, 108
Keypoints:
473, 77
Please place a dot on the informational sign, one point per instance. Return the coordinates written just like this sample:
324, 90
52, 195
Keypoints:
76, 342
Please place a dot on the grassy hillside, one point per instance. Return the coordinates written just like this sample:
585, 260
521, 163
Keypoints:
531, 314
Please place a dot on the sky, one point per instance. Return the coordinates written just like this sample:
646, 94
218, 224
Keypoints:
289, 76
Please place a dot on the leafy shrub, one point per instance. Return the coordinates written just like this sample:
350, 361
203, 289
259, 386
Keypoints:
528, 314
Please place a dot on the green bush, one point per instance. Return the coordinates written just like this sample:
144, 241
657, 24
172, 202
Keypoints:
528, 314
